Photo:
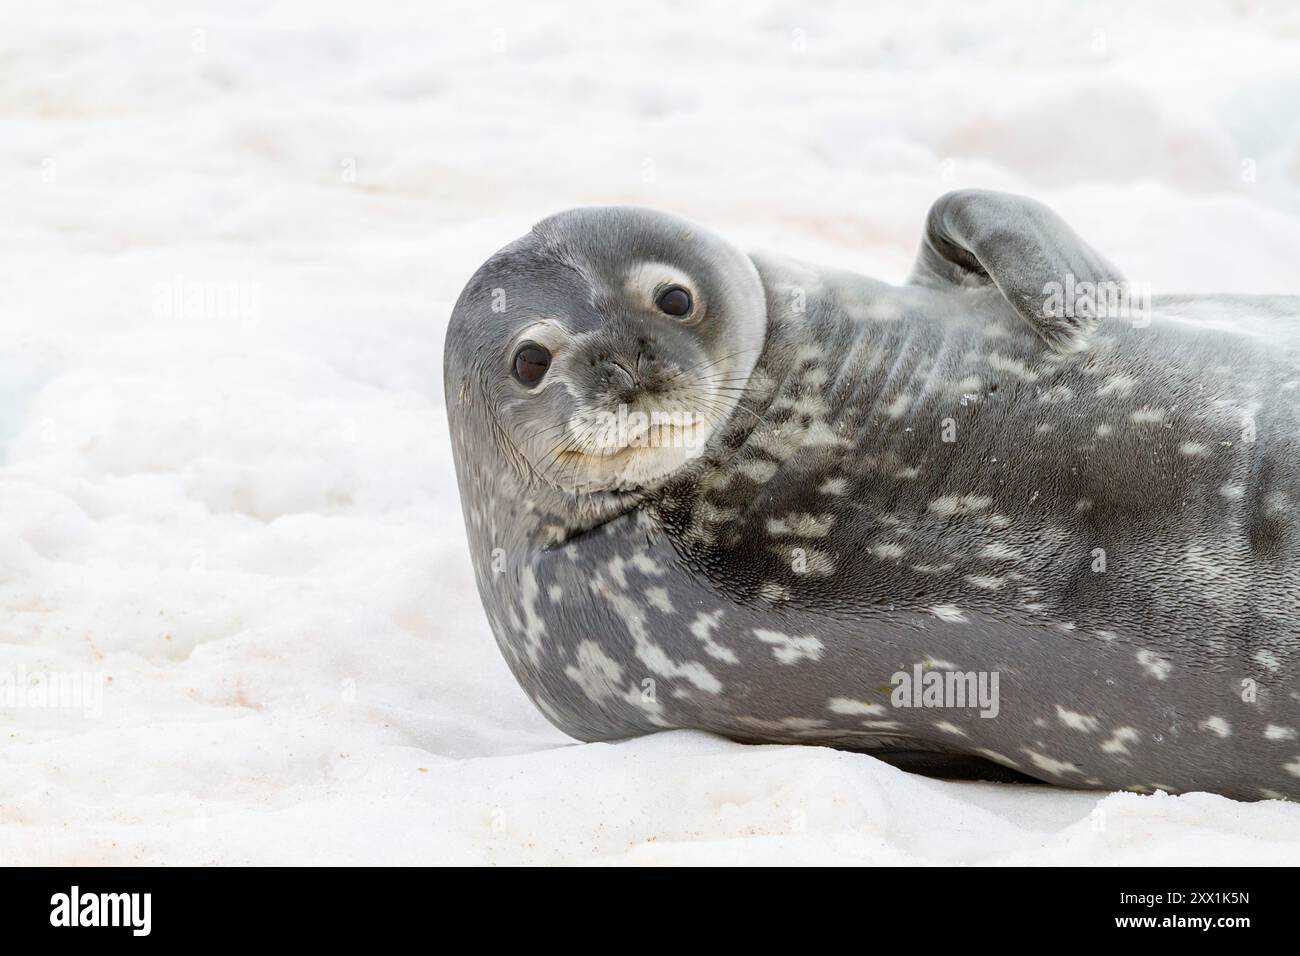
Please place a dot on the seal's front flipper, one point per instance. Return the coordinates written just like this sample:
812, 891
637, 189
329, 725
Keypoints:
1022, 247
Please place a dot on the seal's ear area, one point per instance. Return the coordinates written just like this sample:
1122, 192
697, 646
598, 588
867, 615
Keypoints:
1020, 246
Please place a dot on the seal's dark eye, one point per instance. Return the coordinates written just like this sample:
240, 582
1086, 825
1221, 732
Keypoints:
674, 300
531, 363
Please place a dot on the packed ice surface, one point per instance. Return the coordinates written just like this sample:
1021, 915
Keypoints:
232, 235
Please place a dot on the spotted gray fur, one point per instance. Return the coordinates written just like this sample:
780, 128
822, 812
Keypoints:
767, 586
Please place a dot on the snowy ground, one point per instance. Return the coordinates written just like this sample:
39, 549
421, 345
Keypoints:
230, 244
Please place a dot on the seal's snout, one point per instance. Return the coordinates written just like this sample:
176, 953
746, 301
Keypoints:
628, 375
655, 373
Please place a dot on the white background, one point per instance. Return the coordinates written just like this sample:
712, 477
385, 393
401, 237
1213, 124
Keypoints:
246, 521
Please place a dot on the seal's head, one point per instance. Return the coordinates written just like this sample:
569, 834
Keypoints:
598, 354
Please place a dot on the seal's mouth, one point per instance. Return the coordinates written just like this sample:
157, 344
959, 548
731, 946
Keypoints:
635, 460
642, 440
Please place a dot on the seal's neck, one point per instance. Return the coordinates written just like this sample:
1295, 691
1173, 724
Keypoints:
808, 344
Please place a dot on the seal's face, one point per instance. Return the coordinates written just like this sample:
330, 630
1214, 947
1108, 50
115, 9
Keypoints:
608, 346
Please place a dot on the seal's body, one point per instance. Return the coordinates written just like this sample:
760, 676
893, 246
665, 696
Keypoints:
952, 523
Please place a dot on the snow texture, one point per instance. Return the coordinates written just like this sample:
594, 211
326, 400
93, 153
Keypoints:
232, 235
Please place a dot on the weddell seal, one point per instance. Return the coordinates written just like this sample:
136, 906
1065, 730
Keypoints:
1014, 517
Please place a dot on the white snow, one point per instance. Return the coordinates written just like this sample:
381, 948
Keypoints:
231, 238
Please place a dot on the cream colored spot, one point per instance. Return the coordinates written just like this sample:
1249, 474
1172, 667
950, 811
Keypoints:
1014, 366
1217, 726
1000, 552
948, 612
774, 441
845, 705
658, 598
703, 628
758, 470
883, 310
812, 405
1056, 768
801, 525
1119, 740
899, 406
959, 505
997, 757
595, 672
1155, 665
710, 513
1076, 721
534, 625
1117, 385
1232, 492
1267, 659
819, 433
1202, 565
790, 650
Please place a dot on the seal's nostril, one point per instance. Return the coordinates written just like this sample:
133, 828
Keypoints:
620, 373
